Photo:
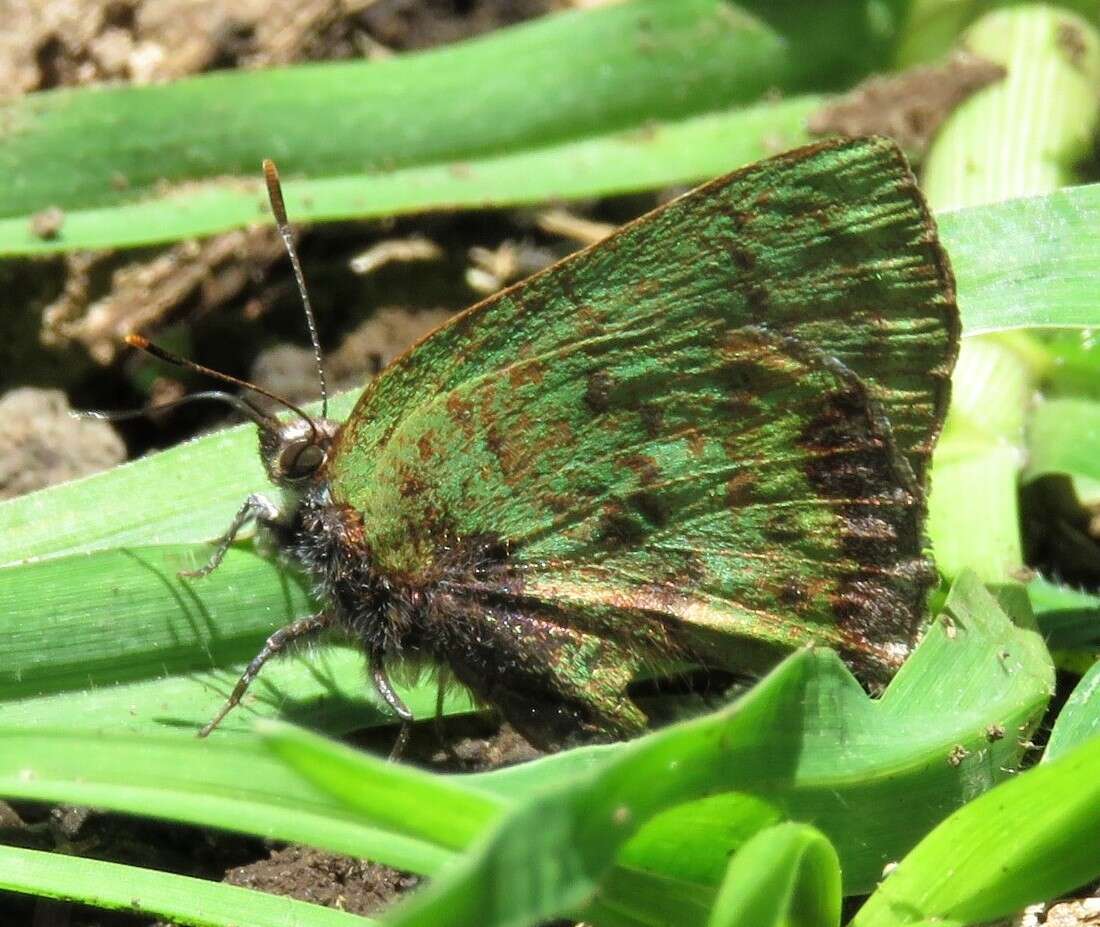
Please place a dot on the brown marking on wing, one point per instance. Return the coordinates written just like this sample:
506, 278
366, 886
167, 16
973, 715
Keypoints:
881, 595
740, 489
527, 372
462, 412
597, 394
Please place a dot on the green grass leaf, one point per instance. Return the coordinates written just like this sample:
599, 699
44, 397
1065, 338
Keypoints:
184, 900
1068, 617
669, 873
148, 651
1063, 439
976, 463
570, 105
52, 613
1079, 719
235, 784
1026, 841
558, 77
642, 158
415, 803
1074, 366
785, 876
1026, 263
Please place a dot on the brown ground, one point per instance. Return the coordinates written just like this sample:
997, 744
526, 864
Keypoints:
323, 878
909, 106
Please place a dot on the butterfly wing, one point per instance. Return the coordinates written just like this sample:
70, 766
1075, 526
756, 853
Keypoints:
711, 427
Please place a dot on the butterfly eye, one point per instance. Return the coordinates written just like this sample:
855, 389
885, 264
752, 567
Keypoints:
300, 459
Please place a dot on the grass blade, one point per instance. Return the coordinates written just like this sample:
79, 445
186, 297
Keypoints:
150, 651
181, 899
232, 785
1079, 719
1068, 618
1023, 842
558, 77
389, 136
785, 876
1026, 263
1064, 439
417, 803
642, 158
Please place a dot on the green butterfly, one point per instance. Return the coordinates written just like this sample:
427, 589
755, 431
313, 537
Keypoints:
703, 439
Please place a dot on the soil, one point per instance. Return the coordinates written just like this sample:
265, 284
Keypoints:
325, 879
46, 444
1084, 912
1079, 912
909, 106
62, 43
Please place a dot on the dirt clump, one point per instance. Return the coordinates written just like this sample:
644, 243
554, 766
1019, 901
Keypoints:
44, 444
325, 879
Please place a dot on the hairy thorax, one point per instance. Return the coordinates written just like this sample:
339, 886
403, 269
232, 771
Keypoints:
326, 539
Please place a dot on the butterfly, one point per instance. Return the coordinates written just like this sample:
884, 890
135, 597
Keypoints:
705, 439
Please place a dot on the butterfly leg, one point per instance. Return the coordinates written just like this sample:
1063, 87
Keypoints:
275, 644
442, 681
386, 692
256, 507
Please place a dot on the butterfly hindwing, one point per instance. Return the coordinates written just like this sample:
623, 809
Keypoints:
706, 434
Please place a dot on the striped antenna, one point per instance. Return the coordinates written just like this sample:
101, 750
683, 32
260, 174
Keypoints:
144, 344
278, 208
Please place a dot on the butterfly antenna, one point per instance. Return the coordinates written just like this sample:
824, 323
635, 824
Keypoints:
144, 344
239, 403
278, 208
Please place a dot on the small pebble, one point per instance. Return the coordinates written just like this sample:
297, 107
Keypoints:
47, 223
44, 444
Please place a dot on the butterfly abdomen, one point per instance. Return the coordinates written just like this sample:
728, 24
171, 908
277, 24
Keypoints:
467, 609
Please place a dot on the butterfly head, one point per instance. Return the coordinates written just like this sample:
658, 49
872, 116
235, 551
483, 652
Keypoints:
294, 453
